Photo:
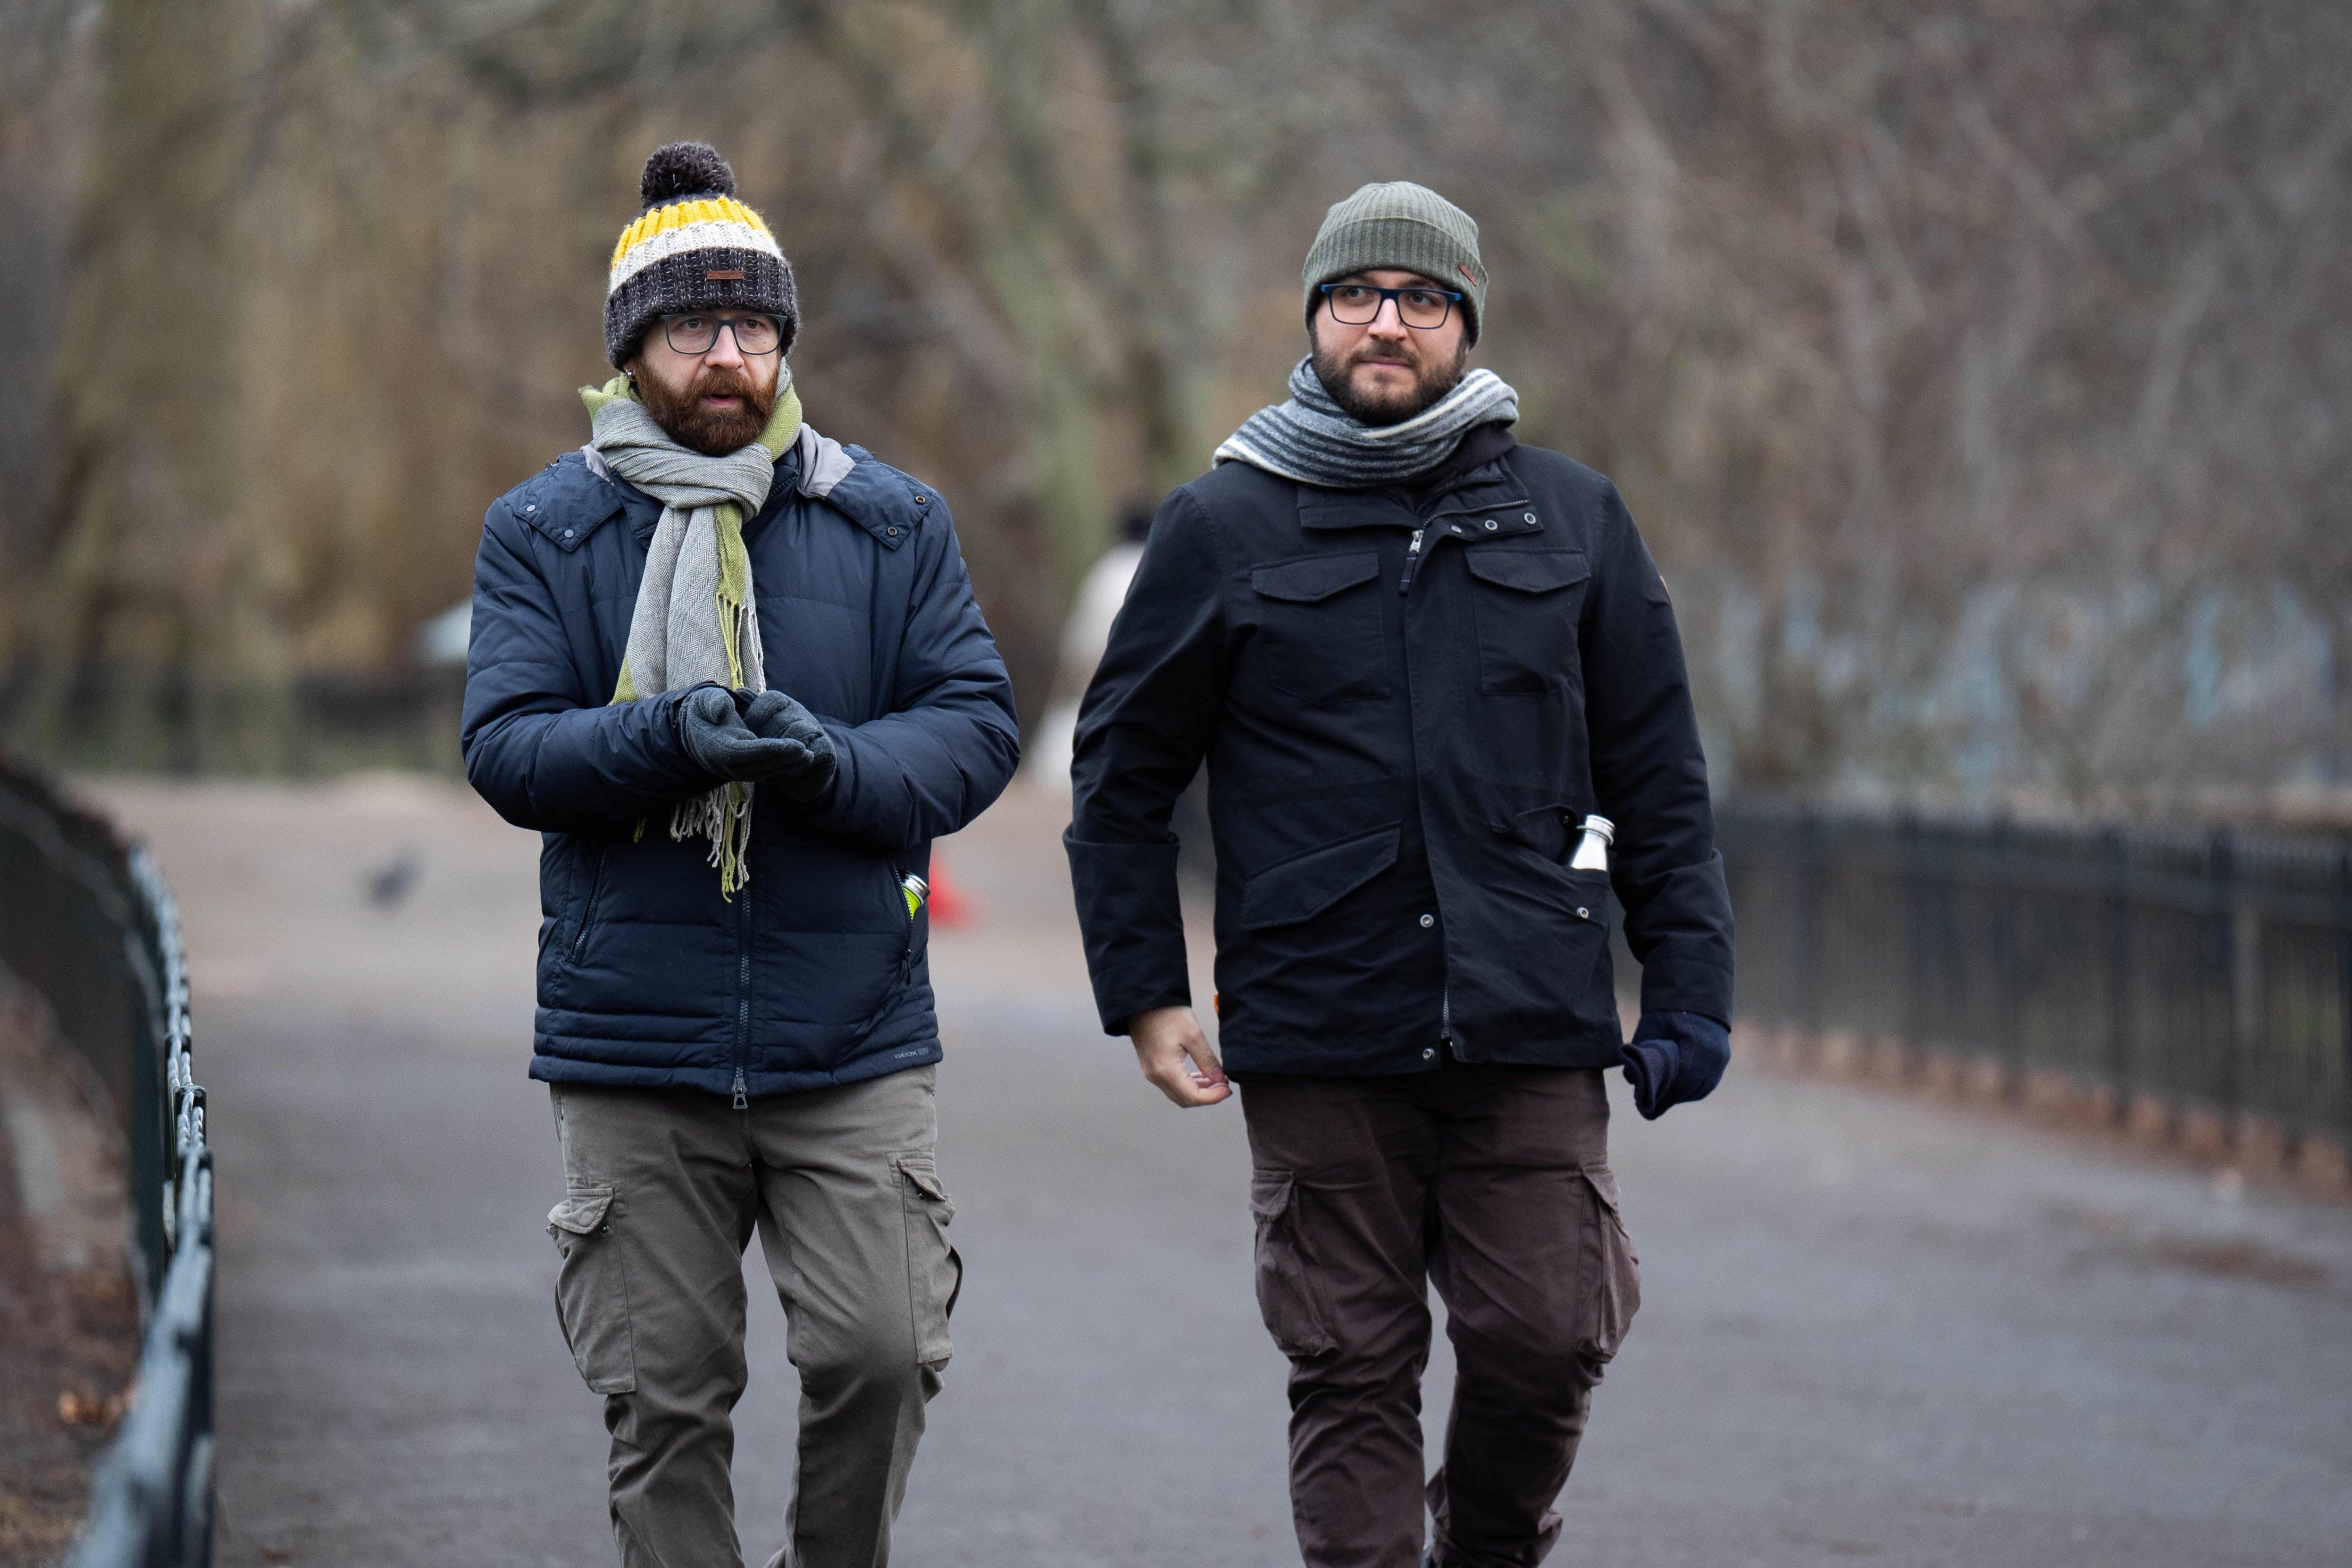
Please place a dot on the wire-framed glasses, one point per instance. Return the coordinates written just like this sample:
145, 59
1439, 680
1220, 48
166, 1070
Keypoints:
1359, 304
696, 332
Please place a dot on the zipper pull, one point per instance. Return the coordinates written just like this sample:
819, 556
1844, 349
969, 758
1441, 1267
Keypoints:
742, 1097
1412, 554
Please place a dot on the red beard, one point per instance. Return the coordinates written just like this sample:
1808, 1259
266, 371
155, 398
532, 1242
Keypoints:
694, 423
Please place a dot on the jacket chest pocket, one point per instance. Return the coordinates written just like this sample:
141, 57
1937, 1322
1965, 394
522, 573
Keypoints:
1527, 603
1318, 627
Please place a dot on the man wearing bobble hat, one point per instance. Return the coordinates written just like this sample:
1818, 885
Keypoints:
1431, 672
733, 671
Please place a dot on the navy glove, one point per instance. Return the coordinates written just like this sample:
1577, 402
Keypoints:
772, 716
1675, 1056
715, 735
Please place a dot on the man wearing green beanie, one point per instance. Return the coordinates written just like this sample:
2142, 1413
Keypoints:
1436, 681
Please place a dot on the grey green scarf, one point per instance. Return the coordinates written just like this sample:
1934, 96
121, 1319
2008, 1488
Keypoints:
1312, 439
695, 618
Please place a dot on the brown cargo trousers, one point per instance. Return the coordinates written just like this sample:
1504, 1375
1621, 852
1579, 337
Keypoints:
1492, 1183
663, 1189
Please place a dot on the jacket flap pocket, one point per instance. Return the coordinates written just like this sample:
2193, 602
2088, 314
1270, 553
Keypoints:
1544, 830
1314, 578
1603, 1182
1529, 571
1269, 1193
1307, 885
582, 1213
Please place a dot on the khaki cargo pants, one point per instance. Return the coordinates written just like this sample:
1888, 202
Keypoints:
662, 1190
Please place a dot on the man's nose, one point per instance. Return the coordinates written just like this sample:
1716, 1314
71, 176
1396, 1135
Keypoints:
1388, 321
725, 350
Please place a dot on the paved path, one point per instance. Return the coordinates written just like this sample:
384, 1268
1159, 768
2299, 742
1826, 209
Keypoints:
1876, 1331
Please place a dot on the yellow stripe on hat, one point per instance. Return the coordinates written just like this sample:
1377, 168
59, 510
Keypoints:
678, 215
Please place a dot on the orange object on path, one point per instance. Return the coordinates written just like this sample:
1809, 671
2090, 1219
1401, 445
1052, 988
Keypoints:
950, 908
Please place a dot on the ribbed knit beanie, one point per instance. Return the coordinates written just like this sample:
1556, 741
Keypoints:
695, 248
1399, 224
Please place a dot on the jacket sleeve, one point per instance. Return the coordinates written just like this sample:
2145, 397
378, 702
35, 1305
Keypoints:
1146, 720
1650, 778
545, 752
950, 745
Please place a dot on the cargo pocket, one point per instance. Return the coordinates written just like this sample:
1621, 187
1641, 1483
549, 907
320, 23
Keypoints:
591, 1291
1289, 1298
934, 1268
1611, 1272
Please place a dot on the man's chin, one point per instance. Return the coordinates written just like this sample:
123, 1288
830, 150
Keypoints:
1381, 403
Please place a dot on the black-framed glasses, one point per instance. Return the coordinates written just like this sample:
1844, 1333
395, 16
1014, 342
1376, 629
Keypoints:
1359, 304
696, 332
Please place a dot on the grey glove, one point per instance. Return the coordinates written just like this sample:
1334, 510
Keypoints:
715, 735
773, 715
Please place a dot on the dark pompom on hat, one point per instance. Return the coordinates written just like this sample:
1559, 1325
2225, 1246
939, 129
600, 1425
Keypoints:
694, 247
684, 169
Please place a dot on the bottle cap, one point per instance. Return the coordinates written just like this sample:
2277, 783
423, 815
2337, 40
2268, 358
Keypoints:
1603, 826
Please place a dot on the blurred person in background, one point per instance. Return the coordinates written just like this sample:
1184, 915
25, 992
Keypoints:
1415, 654
734, 672
1084, 634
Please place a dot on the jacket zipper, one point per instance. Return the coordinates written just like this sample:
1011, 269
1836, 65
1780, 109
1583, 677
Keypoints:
1412, 560
588, 914
742, 992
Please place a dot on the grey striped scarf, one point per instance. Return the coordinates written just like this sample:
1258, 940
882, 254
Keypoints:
1313, 440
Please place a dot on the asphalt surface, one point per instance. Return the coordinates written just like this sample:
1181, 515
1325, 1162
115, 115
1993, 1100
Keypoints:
1876, 1329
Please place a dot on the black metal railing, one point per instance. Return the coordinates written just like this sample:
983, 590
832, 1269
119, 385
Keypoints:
2196, 971
86, 923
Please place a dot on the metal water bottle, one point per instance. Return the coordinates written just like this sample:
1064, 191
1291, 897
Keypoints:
1593, 850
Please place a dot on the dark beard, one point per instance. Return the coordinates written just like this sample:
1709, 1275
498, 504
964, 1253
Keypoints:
1432, 382
709, 431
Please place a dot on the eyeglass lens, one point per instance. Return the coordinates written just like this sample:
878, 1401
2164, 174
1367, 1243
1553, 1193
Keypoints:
1359, 304
695, 334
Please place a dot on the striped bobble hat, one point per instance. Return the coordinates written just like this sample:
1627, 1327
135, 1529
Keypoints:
694, 247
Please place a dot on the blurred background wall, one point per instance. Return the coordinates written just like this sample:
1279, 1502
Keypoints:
1977, 369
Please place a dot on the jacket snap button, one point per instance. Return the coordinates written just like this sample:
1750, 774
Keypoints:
1491, 523
891, 531
533, 506
1427, 922
1528, 516
922, 501
1584, 914
1427, 1054
567, 533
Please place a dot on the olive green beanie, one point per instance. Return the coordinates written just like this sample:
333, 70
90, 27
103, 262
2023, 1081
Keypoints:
1399, 224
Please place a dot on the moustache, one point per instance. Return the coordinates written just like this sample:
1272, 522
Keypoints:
721, 382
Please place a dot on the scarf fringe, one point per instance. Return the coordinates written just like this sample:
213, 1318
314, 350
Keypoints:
723, 815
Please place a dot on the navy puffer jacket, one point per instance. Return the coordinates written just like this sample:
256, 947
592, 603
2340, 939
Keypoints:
814, 973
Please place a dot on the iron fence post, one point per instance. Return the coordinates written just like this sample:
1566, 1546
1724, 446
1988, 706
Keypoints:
2343, 985
2008, 1000
1914, 909
1810, 877
2222, 868
2119, 972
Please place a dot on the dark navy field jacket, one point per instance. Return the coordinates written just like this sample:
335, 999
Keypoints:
815, 973
1406, 710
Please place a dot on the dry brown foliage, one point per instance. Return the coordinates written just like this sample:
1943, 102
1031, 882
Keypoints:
1976, 366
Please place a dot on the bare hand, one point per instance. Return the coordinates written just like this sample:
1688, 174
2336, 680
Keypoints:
1177, 1057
